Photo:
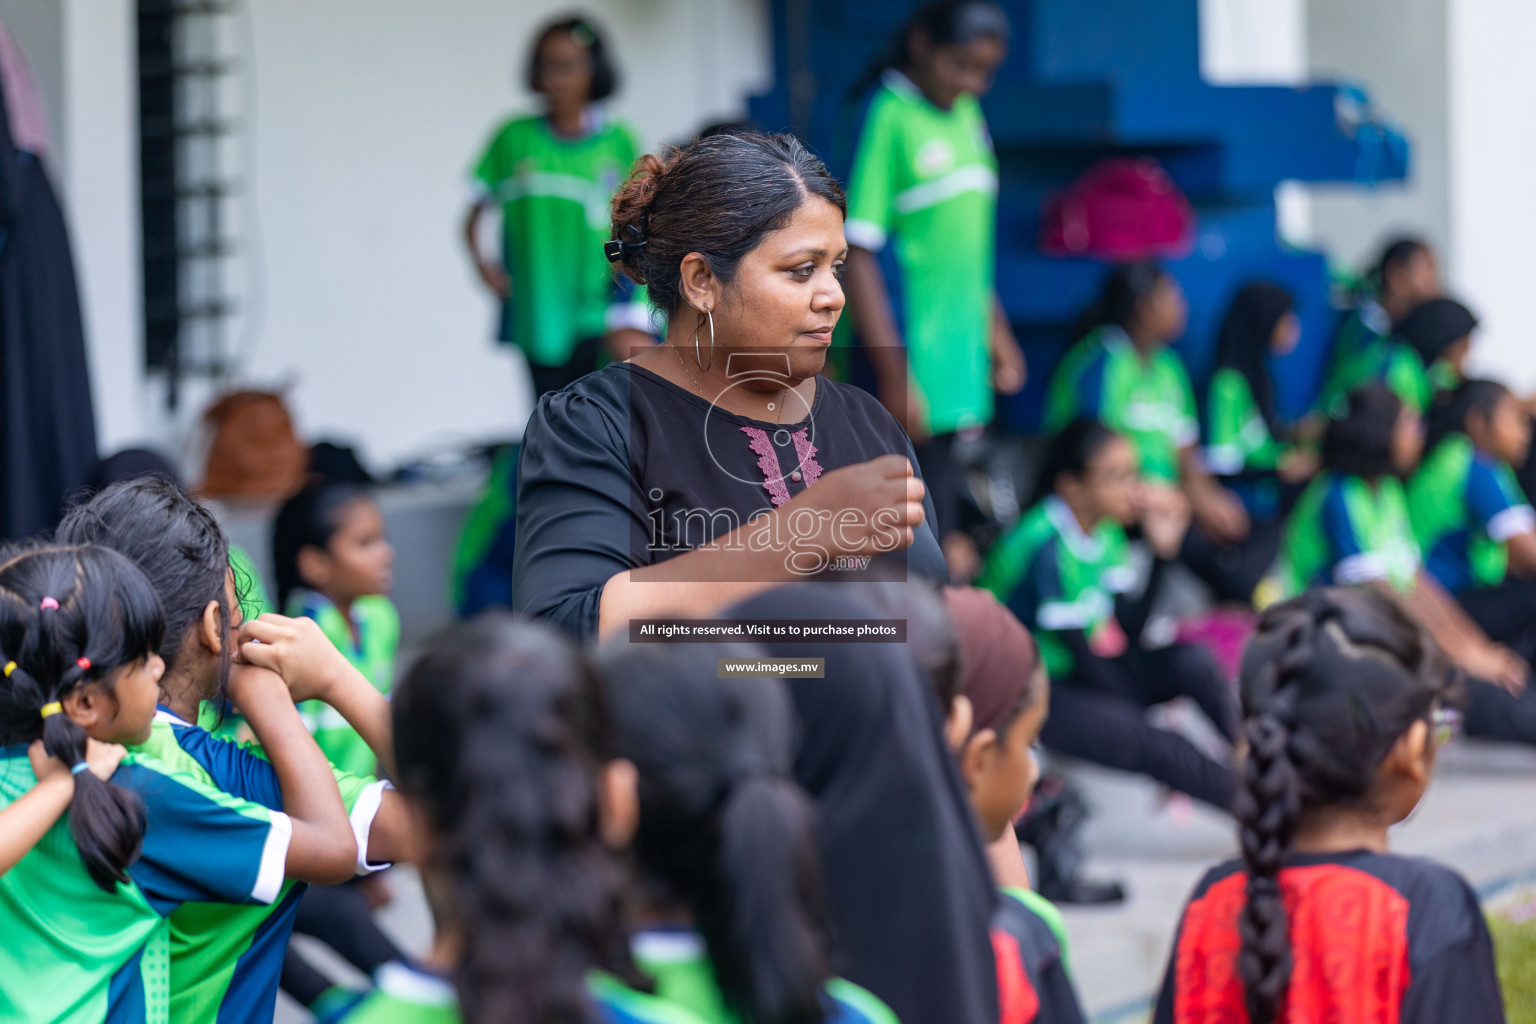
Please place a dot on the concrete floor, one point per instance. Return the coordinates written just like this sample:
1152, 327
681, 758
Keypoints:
1479, 816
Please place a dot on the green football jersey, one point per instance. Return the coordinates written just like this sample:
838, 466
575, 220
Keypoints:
1238, 438
1147, 398
554, 195
1345, 530
71, 953
225, 960
1405, 376
1359, 350
406, 995
1465, 505
1056, 577
927, 178
373, 652
678, 962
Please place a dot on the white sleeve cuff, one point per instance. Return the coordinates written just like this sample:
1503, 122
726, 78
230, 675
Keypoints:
1362, 568
1224, 459
1186, 434
363, 812
1118, 579
864, 234
1058, 615
274, 860
635, 316
1512, 522
479, 192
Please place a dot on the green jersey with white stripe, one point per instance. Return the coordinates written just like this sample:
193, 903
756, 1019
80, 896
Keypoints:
1346, 530
1146, 397
554, 195
1055, 577
71, 953
927, 178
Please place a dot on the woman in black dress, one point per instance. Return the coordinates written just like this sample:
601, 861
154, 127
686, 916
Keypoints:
720, 463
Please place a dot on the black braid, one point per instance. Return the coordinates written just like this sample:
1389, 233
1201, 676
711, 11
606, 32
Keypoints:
1267, 808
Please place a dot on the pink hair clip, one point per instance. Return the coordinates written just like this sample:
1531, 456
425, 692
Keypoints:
50, 604
84, 663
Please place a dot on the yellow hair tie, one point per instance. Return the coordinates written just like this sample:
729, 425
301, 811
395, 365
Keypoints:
10, 667
52, 709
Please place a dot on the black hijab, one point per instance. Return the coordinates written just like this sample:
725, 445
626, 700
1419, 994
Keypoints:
1243, 344
1435, 326
908, 886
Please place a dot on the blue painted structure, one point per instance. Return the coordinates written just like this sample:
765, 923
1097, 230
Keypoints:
1089, 79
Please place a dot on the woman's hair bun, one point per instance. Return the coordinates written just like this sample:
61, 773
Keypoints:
631, 211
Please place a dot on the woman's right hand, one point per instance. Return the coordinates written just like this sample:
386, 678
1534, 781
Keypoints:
868, 508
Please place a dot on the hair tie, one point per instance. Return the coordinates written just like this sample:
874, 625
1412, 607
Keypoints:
49, 604
84, 663
10, 667
51, 708
79, 767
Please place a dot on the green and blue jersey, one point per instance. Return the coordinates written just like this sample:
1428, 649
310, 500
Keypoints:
1465, 505
409, 995
927, 178
1148, 398
71, 953
225, 960
678, 962
1359, 351
1348, 530
370, 642
1239, 443
1055, 577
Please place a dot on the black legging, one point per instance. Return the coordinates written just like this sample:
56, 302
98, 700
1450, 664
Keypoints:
340, 917
1507, 613
1098, 713
1232, 571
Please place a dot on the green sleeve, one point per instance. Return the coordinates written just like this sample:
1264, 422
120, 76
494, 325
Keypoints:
1435, 506
494, 165
1407, 380
1187, 432
872, 184
1238, 437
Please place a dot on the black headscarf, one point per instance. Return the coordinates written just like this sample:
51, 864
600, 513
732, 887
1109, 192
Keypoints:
908, 885
1435, 326
1245, 336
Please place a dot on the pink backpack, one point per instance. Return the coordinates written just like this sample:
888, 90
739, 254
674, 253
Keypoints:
1119, 209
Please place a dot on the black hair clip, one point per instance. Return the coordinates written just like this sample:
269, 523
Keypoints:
637, 235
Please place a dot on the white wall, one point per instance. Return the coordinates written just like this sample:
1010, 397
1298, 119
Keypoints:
368, 116
364, 116
1261, 42
1397, 50
1492, 149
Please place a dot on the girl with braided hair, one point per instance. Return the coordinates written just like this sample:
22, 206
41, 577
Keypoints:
1344, 711
85, 913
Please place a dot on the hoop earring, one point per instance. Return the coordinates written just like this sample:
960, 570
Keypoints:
697, 355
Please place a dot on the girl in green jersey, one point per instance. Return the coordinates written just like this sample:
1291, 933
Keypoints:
1246, 446
552, 175
924, 178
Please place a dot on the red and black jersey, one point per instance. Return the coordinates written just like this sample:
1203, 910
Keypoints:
1375, 939
1032, 982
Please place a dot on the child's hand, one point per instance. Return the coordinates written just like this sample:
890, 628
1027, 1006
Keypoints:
104, 758
298, 651
43, 766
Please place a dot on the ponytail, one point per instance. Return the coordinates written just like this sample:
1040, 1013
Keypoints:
724, 831
1329, 682
106, 821
72, 617
765, 927
499, 734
